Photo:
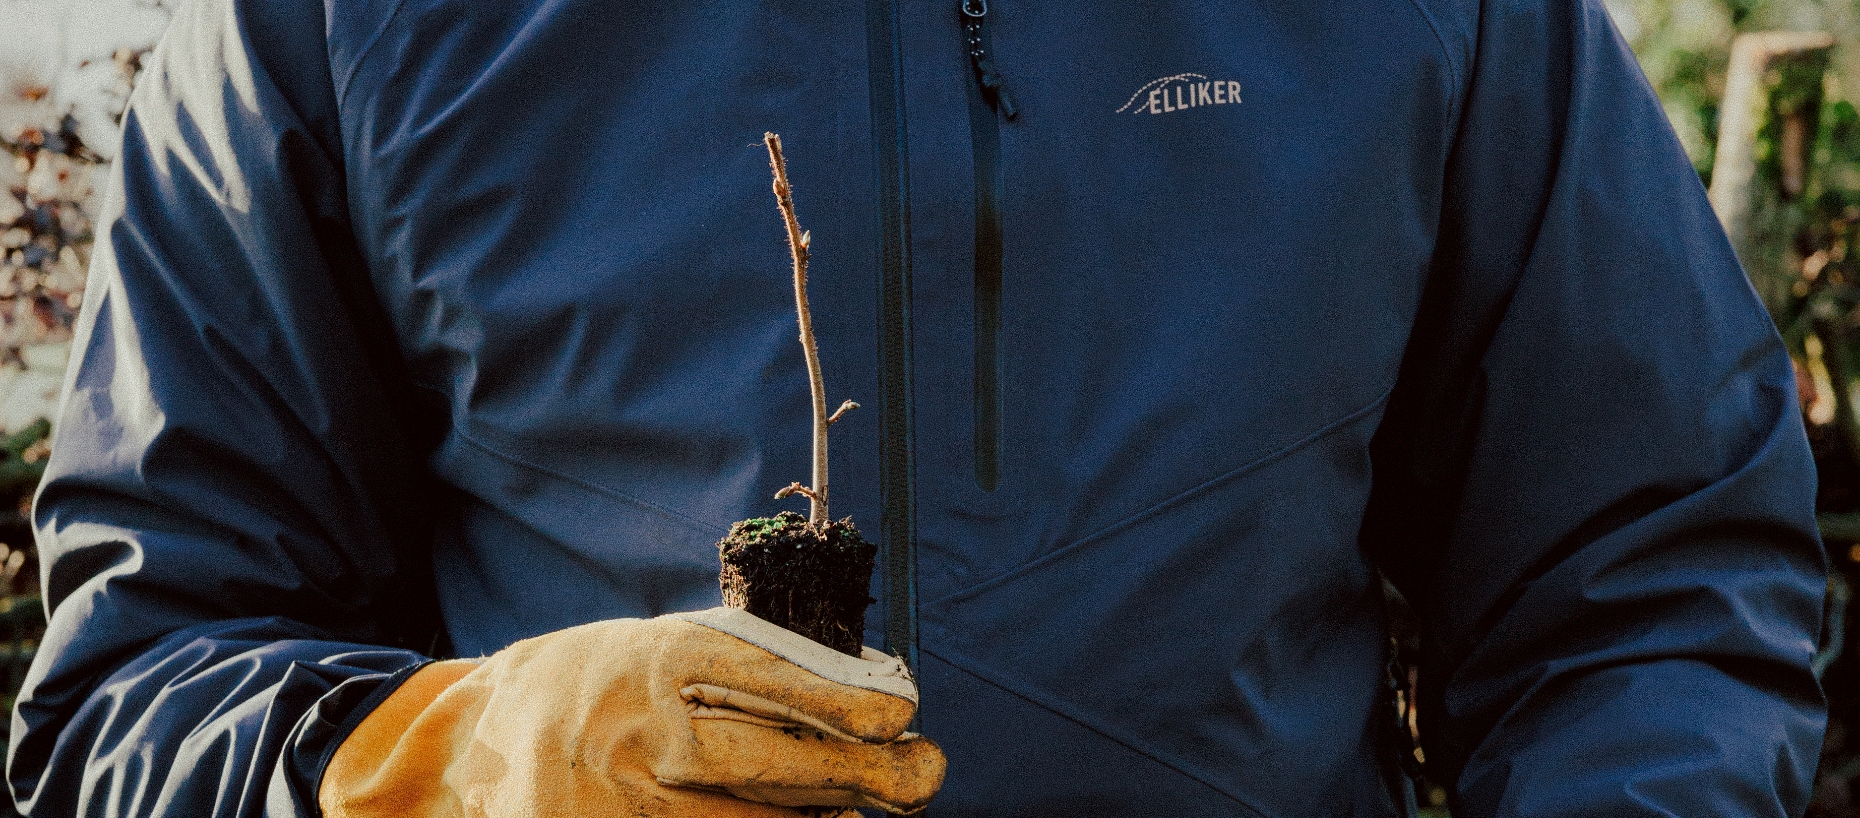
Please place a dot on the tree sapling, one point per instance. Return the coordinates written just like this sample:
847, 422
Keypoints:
809, 575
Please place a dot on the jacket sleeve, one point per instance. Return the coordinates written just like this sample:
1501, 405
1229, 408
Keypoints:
1592, 481
229, 525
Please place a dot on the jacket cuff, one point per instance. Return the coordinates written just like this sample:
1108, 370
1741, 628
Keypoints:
393, 755
327, 724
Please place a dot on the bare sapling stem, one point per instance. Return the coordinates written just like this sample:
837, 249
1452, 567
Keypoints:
798, 241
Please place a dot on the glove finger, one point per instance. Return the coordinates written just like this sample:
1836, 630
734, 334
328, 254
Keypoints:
870, 699
800, 766
712, 702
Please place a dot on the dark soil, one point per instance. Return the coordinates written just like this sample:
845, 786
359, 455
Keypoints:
812, 582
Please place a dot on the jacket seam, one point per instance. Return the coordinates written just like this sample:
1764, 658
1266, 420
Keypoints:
1168, 503
348, 71
1001, 681
597, 488
1453, 69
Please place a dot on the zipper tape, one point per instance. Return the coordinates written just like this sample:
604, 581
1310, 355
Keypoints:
897, 498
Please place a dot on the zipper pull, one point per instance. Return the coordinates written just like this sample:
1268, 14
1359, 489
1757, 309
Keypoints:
974, 13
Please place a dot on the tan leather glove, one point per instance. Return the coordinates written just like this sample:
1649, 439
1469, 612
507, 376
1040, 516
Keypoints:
715, 713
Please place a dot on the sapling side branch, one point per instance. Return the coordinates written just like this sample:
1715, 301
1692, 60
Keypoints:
798, 242
844, 408
796, 488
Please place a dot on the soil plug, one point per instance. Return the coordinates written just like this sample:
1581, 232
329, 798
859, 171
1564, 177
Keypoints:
807, 574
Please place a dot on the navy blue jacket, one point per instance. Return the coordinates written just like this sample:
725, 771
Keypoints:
464, 322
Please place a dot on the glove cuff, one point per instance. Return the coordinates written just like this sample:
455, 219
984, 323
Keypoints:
392, 762
872, 670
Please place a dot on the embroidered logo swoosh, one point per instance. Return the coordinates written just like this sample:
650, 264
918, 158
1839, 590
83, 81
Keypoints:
1166, 95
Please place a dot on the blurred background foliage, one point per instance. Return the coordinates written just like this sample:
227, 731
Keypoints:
67, 66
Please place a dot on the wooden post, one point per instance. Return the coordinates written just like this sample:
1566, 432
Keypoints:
1766, 136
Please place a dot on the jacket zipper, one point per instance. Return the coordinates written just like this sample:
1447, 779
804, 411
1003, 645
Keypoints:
897, 498
988, 100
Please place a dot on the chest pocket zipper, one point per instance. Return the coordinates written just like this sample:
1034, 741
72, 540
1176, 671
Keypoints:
989, 102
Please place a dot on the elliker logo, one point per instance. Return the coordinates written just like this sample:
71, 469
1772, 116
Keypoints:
1167, 95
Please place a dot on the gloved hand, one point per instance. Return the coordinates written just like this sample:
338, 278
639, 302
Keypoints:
715, 714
